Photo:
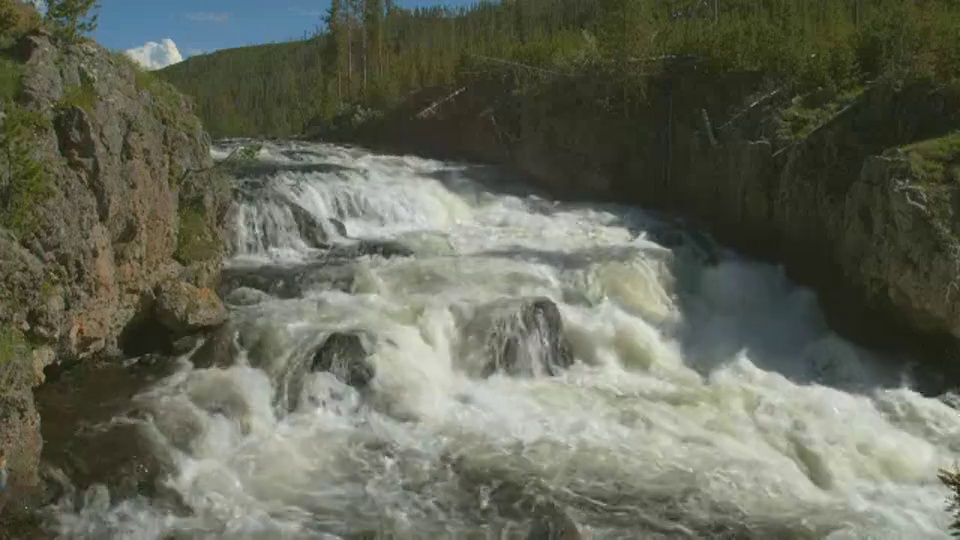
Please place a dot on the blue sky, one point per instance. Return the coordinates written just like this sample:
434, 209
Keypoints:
198, 26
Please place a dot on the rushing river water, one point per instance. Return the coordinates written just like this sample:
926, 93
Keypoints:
707, 399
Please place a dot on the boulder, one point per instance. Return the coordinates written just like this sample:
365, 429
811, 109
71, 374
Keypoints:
218, 350
346, 356
527, 338
185, 309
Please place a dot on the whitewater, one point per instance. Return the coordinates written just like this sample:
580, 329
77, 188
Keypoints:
707, 398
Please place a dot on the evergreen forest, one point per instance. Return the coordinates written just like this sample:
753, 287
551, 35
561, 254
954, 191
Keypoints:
374, 53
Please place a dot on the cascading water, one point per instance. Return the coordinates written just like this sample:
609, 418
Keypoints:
707, 397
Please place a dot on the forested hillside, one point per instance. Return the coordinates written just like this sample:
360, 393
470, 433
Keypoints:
375, 53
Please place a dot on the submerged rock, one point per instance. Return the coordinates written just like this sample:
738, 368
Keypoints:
185, 344
310, 228
284, 282
370, 248
552, 523
184, 309
526, 338
338, 226
246, 296
345, 355
95, 435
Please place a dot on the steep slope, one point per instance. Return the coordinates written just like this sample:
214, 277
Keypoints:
100, 206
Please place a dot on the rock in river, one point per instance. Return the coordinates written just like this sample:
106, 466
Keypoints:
345, 355
184, 309
525, 338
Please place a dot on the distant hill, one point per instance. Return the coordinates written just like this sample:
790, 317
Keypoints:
268, 90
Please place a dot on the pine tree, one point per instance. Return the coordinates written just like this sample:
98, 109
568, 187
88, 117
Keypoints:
334, 48
70, 19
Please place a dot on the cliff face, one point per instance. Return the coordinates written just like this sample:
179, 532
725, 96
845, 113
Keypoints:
851, 203
86, 240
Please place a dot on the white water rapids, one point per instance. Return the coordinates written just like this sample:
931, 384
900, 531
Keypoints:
708, 398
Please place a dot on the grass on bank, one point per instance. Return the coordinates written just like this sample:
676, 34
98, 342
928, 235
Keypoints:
933, 166
935, 161
196, 241
12, 344
808, 113
82, 96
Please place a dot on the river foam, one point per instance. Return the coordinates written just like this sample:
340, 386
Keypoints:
709, 397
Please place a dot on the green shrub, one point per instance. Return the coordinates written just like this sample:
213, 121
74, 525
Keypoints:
24, 186
83, 96
932, 161
804, 116
10, 75
16, 19
69, 20
934, 167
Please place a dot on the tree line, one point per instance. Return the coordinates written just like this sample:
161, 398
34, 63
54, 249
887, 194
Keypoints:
374, 53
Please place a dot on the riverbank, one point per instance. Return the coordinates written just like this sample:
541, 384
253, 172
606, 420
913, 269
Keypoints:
851, 193
110, 226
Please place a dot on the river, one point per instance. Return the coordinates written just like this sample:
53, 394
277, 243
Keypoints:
707, 399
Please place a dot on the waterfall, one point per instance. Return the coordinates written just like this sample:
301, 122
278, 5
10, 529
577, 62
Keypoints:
425, 350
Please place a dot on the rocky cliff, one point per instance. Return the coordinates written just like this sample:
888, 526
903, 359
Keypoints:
105, 195
856, 195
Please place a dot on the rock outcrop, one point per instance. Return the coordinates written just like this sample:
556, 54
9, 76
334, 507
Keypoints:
112, 202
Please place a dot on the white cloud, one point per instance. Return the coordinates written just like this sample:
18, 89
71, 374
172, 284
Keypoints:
155, 55
207, 16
